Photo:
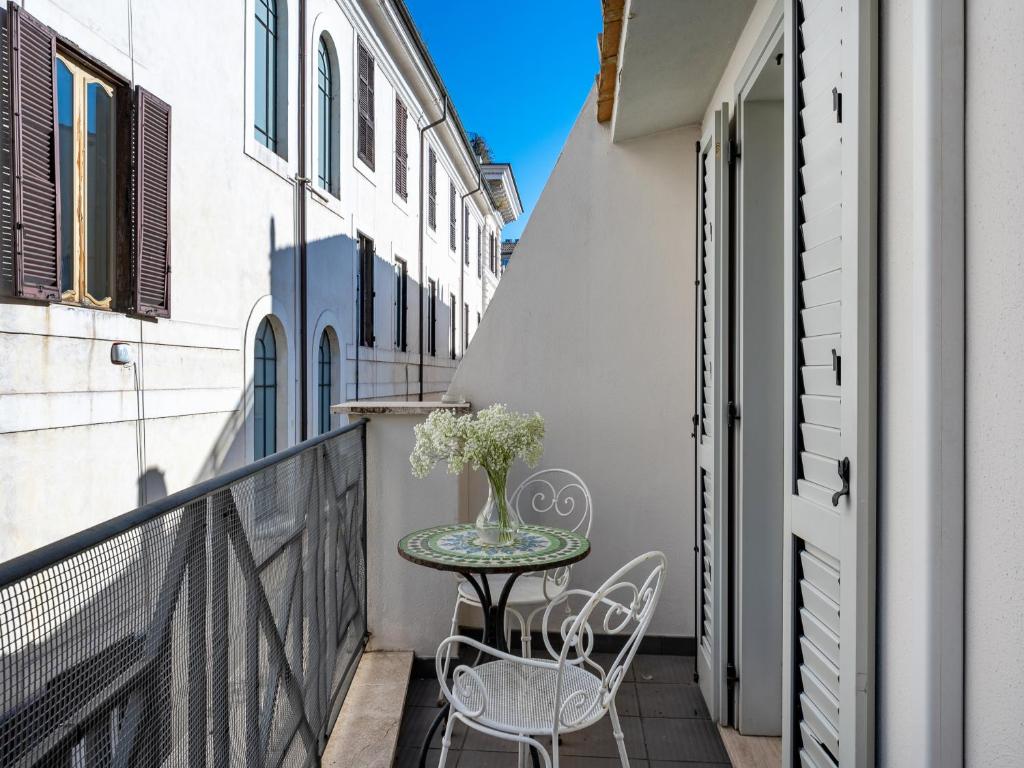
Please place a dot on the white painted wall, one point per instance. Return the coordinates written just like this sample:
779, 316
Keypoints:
409, 605
592, 328
994, 599
67, 416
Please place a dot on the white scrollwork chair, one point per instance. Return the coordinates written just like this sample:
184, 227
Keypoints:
556, 497
524, 699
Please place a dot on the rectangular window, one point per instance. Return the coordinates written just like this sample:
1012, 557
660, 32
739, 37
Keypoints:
453, 236
452, 314
74, 191
493, 243
265, 72
401, 303
365, 128
431, 189
86, 134
465, 234
401, 150
431, 318
366, 291
465, 328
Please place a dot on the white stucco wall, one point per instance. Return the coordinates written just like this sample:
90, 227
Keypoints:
592, 328
994, 599
67, 416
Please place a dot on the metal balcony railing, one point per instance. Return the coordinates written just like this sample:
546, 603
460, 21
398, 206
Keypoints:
218, 626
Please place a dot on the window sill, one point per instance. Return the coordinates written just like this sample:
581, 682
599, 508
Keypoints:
327, 200
272, 161
365, 171
400, 204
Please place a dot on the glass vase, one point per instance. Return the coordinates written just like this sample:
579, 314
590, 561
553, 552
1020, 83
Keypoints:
498, 522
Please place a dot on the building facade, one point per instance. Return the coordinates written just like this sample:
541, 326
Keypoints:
817, 223
273, 210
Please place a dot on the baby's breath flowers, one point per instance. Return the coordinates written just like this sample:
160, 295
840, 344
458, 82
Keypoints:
490, 441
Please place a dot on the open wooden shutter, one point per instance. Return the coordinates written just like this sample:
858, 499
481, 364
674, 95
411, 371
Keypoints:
365, 106
401, 151
712, 441
151, 262
37, 236
453, 237
828, 635
431, 189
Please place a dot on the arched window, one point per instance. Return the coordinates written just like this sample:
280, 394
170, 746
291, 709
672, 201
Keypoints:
265, 391
324, 385
265, 70
325, 117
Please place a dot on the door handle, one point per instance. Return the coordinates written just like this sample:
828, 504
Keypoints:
844, 475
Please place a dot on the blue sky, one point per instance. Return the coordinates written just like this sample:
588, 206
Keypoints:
518, 71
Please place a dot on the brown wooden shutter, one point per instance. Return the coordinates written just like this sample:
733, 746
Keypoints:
401, 151
432, 189
36, 160
151, 262
452, 225
365, 106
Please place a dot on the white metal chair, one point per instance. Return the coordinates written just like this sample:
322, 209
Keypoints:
556, 497
524, 699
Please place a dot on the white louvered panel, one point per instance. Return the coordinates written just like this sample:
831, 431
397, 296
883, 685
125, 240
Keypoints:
817, 350
818, 321
818, 595
812, 755
707, 559
708, 280
821, 410
824, 441
819, 380
819, 470
812, 492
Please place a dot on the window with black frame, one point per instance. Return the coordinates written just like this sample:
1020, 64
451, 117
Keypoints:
401, 303
432, 318
452, 312
366, 291
324, 383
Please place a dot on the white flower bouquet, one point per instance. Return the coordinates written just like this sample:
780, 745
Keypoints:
491, 440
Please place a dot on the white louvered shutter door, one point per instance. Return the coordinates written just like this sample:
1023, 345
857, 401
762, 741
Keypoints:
829, 560
712, 245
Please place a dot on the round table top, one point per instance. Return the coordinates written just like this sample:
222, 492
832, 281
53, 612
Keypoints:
455, 548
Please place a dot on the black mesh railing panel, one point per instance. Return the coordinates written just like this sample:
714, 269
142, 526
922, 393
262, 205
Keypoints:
217, 627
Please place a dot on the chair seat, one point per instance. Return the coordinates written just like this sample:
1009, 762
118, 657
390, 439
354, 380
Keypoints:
528, 590
521, 699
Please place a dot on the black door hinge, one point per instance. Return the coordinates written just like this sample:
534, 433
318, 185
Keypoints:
696, 420
837, 104
843, 467
732, 414
733, 151
731, 678
837, 366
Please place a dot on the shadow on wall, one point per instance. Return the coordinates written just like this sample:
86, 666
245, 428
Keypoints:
152, 486
333, 265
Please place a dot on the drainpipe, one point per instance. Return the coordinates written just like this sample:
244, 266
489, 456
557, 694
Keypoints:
300, 214
422, 162
938, 504
462, 266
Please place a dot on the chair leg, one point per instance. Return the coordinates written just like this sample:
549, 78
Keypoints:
508, 626
448, 651
528, 632
617, 733
446, 742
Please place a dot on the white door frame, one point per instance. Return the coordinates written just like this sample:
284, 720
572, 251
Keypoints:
753, 712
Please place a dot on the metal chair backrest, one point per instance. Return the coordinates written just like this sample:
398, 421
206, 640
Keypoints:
622, 606
559, 498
